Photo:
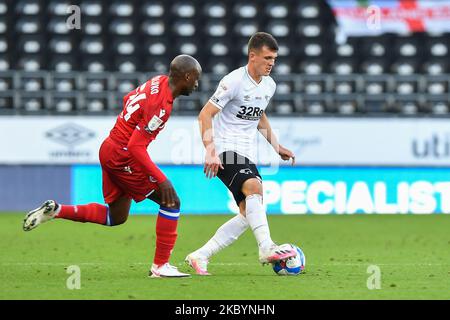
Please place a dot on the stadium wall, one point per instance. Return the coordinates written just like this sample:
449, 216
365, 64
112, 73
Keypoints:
345, 165
315, 141
25, 187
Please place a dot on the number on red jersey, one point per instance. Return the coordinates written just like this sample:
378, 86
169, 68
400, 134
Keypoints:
132, 104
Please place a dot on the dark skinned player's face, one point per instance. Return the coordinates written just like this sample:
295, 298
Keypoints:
191, 82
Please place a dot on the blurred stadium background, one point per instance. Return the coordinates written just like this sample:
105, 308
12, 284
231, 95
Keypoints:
362, 98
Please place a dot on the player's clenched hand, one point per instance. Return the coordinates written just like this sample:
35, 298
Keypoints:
168, 194
212, 165
286, 154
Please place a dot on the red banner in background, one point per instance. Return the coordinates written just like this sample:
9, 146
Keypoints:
370, 18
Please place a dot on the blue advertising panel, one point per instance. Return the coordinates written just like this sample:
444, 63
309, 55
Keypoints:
23, 188
298, 190
197, 194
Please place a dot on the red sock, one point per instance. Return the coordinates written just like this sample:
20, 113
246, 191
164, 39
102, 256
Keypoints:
166, 234
92, 212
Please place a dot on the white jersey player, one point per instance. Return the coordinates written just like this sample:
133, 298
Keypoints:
241, 103
238, 106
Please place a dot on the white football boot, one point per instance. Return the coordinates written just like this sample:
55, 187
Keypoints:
166, 271
276, 253
44, 213
198, 263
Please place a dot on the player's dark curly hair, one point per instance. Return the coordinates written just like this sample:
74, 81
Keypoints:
260, 39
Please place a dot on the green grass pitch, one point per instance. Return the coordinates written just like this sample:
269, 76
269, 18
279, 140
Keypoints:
412, 253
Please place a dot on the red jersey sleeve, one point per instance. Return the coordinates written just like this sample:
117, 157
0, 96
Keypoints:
137, 146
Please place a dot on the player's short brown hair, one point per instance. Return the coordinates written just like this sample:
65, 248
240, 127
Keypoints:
260, 39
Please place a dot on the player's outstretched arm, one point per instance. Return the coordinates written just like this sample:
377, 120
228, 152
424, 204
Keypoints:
266, 130
212, 160
137, 146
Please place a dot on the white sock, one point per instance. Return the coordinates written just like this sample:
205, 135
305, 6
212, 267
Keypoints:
257, 219
58, 210
224, 236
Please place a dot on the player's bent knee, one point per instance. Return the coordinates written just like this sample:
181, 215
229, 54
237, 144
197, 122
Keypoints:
252, 186
176, 205
119, 221
118, 217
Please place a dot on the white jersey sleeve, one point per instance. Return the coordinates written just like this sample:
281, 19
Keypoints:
225, 92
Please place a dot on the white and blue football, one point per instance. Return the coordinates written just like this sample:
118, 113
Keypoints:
291, 266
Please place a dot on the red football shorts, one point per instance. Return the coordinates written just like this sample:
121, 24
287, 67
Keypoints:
121, 175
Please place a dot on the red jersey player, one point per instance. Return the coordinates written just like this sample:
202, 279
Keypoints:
127, 169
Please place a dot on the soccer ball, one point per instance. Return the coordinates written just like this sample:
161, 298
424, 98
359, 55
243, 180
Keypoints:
291, 266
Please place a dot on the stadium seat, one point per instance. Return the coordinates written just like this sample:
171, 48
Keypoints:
284, 104
437, 85
58, 26
8, 95
375, 66
280, 29
65, 82
345, 105
94, 102
32, 102
313, 105
440, 108
435, 66
215, 28
308, 9
310, 28
343, 66
124, 83
215, 10
348, 49
124, 38
4, 25
29, 62
92, 8
376, 46
4, 46
344, 85
7, 81
405, 66
92, 26
156, 64
63, 102
34, 82
377, 85
126, 64
154, 9
7, 103
311, 66
5, 64
183, 9
121, 9
189, 104
186, 45
61, 45
377, 104
63, 63
283, 65
58, 8
279, 10
28, 7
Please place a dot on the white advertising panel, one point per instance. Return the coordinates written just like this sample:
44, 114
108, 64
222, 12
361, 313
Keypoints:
326, 141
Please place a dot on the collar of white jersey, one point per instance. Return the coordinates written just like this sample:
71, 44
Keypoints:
250, 77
